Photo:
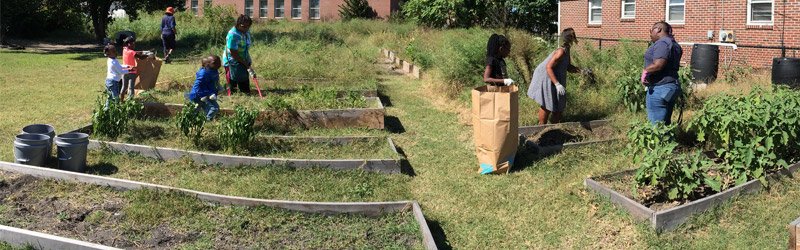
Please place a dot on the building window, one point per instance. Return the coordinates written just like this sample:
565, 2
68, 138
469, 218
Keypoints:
759, 11
676, 11
279, 8
206, 4
297, 10
313, 9
262, 8
194, 7
595, 11
628, 9
248, 8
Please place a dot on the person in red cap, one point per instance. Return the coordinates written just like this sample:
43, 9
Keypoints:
168, 32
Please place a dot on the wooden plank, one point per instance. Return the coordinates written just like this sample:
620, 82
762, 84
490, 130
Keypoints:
22, 238
669, 219
427, 236
794, 232
407, 67
387, 166
636, 210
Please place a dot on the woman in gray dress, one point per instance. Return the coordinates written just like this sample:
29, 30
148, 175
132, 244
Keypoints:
549, 78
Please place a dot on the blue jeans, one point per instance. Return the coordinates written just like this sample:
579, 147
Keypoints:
128, 80
209, 106
112, 87
660, 102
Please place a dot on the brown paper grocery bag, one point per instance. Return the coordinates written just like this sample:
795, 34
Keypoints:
495, 122
148, 70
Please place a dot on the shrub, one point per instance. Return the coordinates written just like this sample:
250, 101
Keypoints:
113, 120
239, 129
753, 134
354, 9
190, 122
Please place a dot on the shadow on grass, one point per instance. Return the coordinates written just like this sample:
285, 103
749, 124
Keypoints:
386, 100
405, 165
393, 124
87, 56
102, 168
527, 156
438, 235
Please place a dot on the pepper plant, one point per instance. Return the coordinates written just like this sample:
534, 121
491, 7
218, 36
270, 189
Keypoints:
190, 122
239, 129
113, 119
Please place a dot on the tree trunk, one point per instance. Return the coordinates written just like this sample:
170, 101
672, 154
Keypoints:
100, 17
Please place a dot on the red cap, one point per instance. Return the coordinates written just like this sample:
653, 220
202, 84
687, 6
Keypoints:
170, 10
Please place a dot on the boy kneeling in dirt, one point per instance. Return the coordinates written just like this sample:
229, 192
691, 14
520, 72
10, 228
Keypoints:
206, 85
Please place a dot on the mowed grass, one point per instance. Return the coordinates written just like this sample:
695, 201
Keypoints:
147, 219
267, 182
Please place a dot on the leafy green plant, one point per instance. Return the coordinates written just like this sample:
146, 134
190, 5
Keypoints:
354, 9
239, 129
418, 56
736, 73
679, 176
113, 120
644, 137
630, 88
754, 134
190, 121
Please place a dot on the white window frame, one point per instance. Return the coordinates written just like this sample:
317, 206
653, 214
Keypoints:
250, 8
299, 10
589, 3
311, 8
263, 8
279, 11
666, 13
195, 5
622, 9
750, 12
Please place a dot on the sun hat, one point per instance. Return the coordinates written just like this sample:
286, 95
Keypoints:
170, 10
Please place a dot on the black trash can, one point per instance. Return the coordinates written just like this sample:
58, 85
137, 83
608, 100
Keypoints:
705, 63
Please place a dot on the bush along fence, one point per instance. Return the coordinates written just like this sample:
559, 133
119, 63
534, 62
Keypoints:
372, 118
43, 241
405, 66
386, 166
794, 231
548, 139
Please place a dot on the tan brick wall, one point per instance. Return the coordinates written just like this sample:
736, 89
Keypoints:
329, 9
700, 16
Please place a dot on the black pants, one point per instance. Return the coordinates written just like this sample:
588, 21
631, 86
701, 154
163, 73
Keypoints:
244, 86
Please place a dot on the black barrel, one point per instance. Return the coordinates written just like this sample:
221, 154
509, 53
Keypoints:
786, 70
705, 63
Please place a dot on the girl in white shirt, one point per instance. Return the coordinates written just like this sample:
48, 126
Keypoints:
114, 73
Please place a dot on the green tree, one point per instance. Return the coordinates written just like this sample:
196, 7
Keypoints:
99, 10
536, 16
353, 9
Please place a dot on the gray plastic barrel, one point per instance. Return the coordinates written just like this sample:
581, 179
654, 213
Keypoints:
44, 129
31, 149
71, 148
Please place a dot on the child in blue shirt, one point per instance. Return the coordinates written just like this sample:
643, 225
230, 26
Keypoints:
204, 91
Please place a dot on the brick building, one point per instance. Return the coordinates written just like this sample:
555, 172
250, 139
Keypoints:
296, 10
756, 24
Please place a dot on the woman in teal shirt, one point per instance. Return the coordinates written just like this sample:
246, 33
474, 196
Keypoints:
236, 57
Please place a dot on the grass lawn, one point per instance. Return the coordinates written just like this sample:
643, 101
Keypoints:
148, 219
541, 204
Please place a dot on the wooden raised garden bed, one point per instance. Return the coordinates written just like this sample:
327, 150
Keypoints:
20, 237
668, 215
385, 164
372, 118
553, 138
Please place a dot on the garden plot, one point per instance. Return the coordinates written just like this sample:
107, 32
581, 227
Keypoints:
794, 234
719, 155
160, 139
149, 218
310, 108
553, 138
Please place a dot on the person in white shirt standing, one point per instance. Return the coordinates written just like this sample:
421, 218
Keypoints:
114, 73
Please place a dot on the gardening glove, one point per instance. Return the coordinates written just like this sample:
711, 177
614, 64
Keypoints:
204, 99
252, 72
644, 76
213, 97
508, 81
560, 89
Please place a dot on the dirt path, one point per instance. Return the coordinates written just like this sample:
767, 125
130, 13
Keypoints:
45, 47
